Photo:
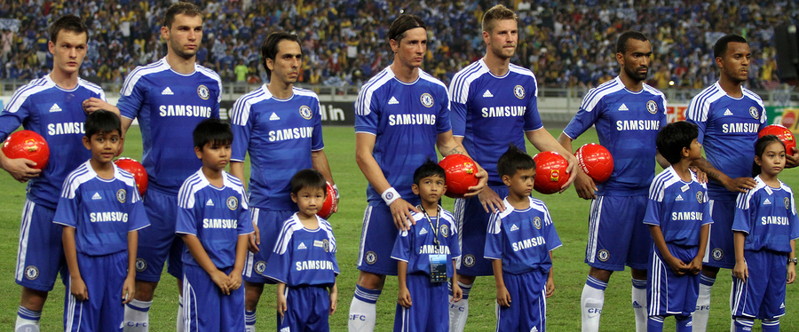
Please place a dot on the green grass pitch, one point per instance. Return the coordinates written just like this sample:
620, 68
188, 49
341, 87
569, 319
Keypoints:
569, 213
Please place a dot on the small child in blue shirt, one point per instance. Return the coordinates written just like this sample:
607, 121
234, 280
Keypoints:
214, 223
101, 212
426, 255
678, 216
519, 241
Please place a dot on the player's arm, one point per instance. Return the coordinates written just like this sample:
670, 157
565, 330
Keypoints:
201, 256
791, 277
400, 208
21, 169
76, 285
740, 271
583, 184
447, 145
676, 265
457, 292
125, 124
234, 278
404, 296
696, 263
129, 286
319, 162
741, 184
281, 299
543, 141
503, 297
550, 286
333, 298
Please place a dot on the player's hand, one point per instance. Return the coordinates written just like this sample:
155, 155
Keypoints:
482, 181
550, 286
128, 289
742, 184
21, 169
234, 280
78, 289
335, 205
740, 271
584, 185
281, 304
571, 170
401, 211
254, 239
701, 177
503, 297
677, 266
792, 159
404, 297
490, 200
457, 292
696, 265
221, 280
333, 300
94, 104
791, 275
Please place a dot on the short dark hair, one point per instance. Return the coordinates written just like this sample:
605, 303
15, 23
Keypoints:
269, 48
496, 13
621, 43
720, 47
760, 148
212, 131
429, 168
69, 23
185, 8
308, 178
673, 138
512, 160
404, 23
101, 122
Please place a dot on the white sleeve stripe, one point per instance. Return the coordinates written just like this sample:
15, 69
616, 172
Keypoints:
139, 72
365, 95
240, 113
463, 80
23, 93
593, 98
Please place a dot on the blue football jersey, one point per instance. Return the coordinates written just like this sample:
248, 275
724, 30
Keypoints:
169, 106
103, 211
522, 239
279, 135
415, 246
56, 114
679, 208
627, 124
491, 112
216, 216
728, 131
768, 216
304, 257
406, 119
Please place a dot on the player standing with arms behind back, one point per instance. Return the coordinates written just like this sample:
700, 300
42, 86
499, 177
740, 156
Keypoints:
628, 115
401, 114
494, 104
169, 97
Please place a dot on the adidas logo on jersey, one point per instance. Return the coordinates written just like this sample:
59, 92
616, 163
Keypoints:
274, 117
623, 107
167, 92
210, 202
55, 108
393, 101
727, 112
487, 94
767, 202
301, 246
679, 198
97, 196
423, 231
514, 228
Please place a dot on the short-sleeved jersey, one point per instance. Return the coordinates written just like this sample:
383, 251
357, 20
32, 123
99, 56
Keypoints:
103, 211
304, 257
627, 124
414, 246
522, 239
490, 112
56, 114
216, 216
727, 130
680, 208
169, 106
768, 216
279, 135
406, 119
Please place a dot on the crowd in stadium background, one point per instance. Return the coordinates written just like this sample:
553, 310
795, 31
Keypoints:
564, 43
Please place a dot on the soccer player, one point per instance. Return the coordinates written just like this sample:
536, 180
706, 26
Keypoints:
627, 114
678, 216
280, 126
304, 260
214, 223
54, 106
519, 244
494, 104
169, 97
728, 117
101, 213
401, 114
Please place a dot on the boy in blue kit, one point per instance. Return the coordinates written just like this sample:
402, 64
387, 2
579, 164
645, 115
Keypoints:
765, 228
303, 262
519, 242
678, 215
101, 212
214, 223
424, 253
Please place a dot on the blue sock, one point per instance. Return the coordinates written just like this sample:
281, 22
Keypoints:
743, 324
654, 324
367, 295
684, 323
249, 317
464, 287
705, 280
596, 283
770, 325
28, 314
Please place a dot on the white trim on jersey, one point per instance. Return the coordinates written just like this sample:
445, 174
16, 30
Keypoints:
527, 72
367, 215
22, 94
364, 101
141, 71
699, 106
462, 81
595, 216
240, 113
24, 234
595, 95
652, 90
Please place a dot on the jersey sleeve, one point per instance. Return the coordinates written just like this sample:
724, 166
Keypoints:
532, 119
402, 246
552, 238
794, 220
13, 115
454, 247
244, 222
186, 220
317, 143
367, 112
494, 238
584, 119
138, 216
457, 118
279, 264
741, 221
131, 97
697, 114
241, 126
66, 212
442, 120
707, 218
653, 212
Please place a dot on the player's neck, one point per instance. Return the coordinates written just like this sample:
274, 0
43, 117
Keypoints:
496, 65
518, 202
280, 90
431, 208
681, 168
104, 170
404, 73
631, 83
731, 88
308, 221
214, 176
770, 180
64, 80
179, 64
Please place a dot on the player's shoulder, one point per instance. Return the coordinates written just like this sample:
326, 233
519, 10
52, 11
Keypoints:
379, 80
191, 185
26, 91
595, 95
210, 73
539, 205
233, 182
90, 86
752, 95
124, 176
140, 72
522, 71
654, 91
708, 95
259, 94
305, 93
664, 180
429, 79
468, 74
80, 174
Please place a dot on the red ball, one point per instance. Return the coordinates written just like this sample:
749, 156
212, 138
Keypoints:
327, 206
784, 134
461, 174
138, 171
550, 172
596, 161
29, 145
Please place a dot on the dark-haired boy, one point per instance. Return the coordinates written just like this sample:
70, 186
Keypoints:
426, 254
214, 223
519, 243
678, 215
101, 212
